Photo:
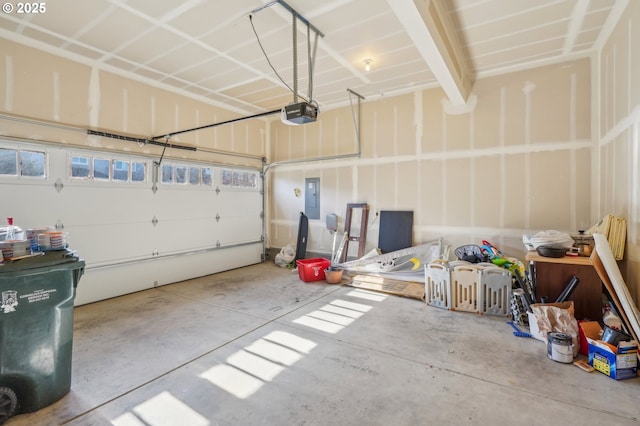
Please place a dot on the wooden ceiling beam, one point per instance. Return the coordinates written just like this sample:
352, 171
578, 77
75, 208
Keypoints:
433, 35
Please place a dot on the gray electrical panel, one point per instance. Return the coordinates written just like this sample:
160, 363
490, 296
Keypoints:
312, 198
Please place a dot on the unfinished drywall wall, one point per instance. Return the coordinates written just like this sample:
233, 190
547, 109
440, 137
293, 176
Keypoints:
516, 159
617, 186
45, 88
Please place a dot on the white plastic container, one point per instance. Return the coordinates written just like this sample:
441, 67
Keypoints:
437, 285
494, 291
560, 347
15, 248
53, 240
18, 234
32, 235
464, 288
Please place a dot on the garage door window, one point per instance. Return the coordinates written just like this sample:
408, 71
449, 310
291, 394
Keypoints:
239, 179
116, 169
167, 173
194, 175
80, 167
207, 179
22, 163
101, 169
138, 172
120, 170
32, 163
186, 175
181, 174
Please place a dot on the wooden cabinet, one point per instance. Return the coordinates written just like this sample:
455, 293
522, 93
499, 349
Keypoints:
551, 275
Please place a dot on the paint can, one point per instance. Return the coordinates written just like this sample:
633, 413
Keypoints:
560, 347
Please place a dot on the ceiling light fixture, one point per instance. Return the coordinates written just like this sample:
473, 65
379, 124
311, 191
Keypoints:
367, 64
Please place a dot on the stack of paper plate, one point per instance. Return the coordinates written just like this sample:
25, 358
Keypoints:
53, 240
15, 248
32, 235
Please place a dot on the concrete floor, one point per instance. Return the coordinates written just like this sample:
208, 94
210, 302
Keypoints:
257, 346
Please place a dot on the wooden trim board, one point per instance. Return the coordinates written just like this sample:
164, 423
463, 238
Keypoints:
412, 289
607, 268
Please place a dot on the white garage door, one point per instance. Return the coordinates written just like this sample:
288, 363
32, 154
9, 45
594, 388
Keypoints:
202, 218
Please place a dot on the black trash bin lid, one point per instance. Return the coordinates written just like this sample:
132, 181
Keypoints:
48, 258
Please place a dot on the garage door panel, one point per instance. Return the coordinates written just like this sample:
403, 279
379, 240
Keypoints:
103, 283
239, 203
235, 230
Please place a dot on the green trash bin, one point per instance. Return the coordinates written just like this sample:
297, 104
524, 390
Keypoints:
36, 330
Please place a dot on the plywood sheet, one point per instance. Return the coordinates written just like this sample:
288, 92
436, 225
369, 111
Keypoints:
412, 289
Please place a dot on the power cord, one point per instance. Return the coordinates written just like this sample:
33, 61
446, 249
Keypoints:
268, 61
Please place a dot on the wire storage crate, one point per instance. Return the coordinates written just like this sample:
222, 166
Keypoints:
494, 291
464, 288
437, 285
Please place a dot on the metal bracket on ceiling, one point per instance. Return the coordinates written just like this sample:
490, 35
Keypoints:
300, 17
292, 11
356, 122
311, 55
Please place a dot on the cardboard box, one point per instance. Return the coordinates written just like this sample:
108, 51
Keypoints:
588, 328
618, 362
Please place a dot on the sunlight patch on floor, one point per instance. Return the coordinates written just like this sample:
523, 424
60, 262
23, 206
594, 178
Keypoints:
255, 365
331, 317
367, 295
232, 380
260, 362
342, 311
274, 352
162, 410
318, 324
334, 316
352, 305
299, 344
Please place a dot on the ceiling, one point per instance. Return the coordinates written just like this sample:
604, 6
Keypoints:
207, 49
